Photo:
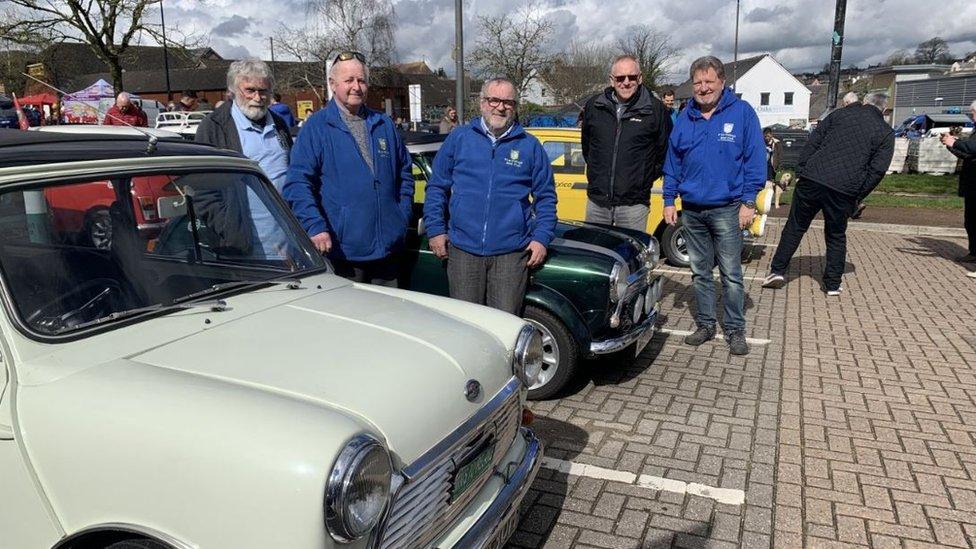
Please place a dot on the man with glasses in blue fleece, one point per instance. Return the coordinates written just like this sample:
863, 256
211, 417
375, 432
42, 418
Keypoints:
716, 163
350, 182
490, 206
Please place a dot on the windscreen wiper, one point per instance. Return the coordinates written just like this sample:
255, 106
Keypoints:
214, 305
292, 281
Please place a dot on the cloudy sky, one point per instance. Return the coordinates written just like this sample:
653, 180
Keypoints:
796, 32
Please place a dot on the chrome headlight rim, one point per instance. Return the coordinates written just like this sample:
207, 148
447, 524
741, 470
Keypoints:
527, 360
344, 469
618, 281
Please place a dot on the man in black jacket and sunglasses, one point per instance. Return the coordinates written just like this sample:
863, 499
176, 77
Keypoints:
625, 139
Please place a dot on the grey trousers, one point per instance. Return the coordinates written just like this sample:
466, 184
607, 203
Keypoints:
628, 217
381, 272
498, 281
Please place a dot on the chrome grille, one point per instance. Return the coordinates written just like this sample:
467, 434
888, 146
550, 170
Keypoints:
422, 507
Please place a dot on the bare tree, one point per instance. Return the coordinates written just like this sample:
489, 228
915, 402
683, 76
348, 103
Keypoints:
580, 71
933, 50
514, 46
653, 51
365, 26
311, 52
109, 27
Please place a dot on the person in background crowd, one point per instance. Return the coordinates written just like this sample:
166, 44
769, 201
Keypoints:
668, 99
774, 151
204, 105
717, 165
625, 139
845, 158
966, 150
493, 180
850, 98
449, 121
171, 107
188, 101
282, 110
125, 113
350, 182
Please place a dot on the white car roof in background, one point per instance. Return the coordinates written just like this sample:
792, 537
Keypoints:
107, 130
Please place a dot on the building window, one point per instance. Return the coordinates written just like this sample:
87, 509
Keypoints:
764, 98
788, 98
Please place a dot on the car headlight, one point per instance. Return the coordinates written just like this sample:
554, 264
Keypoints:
653, 253
618, 281
358, 489
528, 355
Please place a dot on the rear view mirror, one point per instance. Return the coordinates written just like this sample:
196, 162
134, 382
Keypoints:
171, 206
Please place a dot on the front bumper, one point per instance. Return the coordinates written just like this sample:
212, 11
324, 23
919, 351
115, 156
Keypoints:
497, 523
616, 344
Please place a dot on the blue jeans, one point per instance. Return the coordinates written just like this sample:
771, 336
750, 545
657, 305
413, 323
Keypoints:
714, 233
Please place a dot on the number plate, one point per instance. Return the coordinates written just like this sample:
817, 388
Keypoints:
505, 530
471, 471
642, 341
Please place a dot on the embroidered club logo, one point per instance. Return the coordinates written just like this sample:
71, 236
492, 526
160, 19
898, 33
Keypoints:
382, 144
513, 159
728, 127
514, 155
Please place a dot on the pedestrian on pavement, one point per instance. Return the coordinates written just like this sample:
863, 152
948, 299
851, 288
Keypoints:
774, 151
668, 99
850, 98
247, 126
125, 113
625, 139
493, 180
449, 121
966, 150
716, 163
188, 101
350, 182
845, 158
282, 110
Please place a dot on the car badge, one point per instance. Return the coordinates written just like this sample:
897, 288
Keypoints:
472, 390
727, 128
382, 143
514, 154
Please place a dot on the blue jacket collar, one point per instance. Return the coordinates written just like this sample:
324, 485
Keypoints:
514, 132
728, 98
333, 116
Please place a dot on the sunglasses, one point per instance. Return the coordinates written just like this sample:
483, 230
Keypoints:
348, 55
625, 77
495, 102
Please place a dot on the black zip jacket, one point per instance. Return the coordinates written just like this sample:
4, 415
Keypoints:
966, 150
625, 156
849, 151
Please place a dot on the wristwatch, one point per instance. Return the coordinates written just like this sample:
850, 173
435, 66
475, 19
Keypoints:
750, 204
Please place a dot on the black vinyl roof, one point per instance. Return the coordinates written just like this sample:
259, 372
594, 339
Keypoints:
19, 148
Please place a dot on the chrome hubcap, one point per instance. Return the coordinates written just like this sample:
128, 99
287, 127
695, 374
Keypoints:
550, 356
681, 245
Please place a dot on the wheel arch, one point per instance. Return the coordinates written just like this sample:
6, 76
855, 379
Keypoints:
559, 305
100, 536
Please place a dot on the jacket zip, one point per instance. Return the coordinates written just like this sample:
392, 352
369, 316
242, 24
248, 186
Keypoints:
613, 164
491, 184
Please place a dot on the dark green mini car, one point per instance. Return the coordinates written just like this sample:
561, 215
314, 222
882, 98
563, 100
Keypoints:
597, 292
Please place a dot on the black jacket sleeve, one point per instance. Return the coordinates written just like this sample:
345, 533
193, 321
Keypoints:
878, 165
965, 148
660, 149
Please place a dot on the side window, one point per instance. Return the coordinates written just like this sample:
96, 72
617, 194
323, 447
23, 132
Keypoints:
565, 156
764, 98
788, 98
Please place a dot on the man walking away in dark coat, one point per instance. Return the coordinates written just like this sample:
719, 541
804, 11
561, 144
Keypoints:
966, 150
844, 160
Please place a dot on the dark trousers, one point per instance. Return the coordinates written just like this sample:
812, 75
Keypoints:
969, 215
498, 281
381, 272
810, 198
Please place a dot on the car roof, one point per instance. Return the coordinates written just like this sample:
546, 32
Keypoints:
19, 148
106, 130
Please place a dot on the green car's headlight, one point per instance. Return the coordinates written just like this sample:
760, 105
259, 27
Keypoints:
358, 489
528, 355
618, 281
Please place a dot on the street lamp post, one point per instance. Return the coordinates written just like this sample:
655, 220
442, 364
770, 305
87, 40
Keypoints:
458, 60
735, 46
836, 49
162, 19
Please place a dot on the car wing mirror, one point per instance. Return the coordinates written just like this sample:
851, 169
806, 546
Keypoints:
171, 206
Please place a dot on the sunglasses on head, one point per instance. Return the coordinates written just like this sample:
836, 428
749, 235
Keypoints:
347, 55
625, 77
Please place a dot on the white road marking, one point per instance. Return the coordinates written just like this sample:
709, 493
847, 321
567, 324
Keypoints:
763, 244
714, 275
682, 333
727, 496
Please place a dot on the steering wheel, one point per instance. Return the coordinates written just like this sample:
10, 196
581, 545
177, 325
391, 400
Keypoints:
88, 301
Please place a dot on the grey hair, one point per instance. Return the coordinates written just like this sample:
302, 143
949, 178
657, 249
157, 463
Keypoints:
877, 99
250, 67
494, 82
624, 57
705, 63
332, 69
973, 105
849, 98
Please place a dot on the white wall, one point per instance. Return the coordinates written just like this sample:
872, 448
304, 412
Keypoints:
769, 76
537, 92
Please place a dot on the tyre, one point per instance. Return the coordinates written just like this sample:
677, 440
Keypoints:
561, 355
673, 245
98, 229
138, 543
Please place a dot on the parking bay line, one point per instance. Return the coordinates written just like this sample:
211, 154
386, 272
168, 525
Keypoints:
714, 275
682, 333
728, 496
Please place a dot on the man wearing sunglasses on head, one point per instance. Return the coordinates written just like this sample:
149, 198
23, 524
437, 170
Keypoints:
625, 137
490, 206
350, 181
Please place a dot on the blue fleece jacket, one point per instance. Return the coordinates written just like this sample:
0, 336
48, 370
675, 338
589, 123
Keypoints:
499, 196
331, 188
717, 161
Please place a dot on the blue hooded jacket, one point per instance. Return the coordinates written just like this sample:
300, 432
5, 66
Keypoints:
486, 187
331, 189
717, 161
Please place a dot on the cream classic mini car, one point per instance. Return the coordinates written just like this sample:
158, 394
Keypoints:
225, 389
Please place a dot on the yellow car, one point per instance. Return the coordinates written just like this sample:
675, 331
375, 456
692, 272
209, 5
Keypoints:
569, 168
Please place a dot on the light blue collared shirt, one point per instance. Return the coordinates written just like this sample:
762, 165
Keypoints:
484, 126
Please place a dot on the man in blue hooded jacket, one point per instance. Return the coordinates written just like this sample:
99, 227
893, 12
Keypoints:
716, 163
490, 206
350, 182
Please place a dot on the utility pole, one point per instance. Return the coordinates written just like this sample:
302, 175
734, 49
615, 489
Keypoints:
271, 39
836, 48
459, 61
162, 19
735, 47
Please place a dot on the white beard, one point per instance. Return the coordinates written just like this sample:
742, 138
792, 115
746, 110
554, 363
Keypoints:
257, 114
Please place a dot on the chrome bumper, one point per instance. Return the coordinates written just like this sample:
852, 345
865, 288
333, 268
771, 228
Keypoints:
620, 343
487, 532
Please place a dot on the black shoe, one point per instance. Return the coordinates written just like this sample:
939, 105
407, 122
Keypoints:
737, 342
968, 258
701, 335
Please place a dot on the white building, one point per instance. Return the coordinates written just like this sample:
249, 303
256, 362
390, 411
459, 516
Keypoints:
776, 95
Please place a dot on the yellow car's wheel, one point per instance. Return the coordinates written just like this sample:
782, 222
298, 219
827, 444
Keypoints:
673, 245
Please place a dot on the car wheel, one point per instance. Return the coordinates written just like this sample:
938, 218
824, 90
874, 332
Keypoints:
98, 227
560, 353
673, 245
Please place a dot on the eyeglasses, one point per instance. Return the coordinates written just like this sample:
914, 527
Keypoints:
250, 91
494, 102
625, 77
347, 55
